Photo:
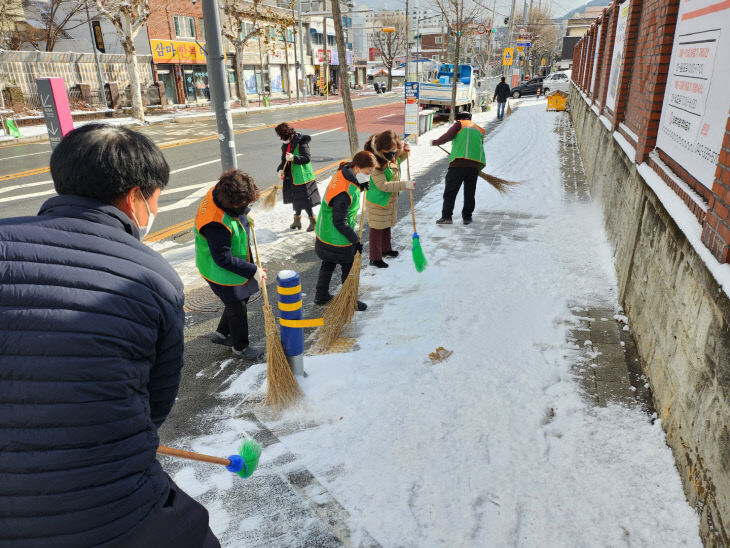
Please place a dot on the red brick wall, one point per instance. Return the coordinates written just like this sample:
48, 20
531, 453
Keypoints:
716, 232
649, 74
642, 82
160, 25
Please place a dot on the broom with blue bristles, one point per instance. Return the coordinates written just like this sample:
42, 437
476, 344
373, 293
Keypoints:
419, 259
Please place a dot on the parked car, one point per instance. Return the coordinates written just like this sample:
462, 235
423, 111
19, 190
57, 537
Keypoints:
556, 81
528, 88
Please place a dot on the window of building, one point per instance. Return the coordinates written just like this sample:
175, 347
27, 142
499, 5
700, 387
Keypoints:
201, 29
439, 40
184, 26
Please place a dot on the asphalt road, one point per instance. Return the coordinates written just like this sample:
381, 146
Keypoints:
191, 148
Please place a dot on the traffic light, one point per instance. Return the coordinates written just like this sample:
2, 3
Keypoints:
506, 20
388, 29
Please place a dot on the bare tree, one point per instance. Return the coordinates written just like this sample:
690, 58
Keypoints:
390, 44
236, 14
283, 24
459, 14
128, 17
14, 30
61, 16
345, 78
546, 36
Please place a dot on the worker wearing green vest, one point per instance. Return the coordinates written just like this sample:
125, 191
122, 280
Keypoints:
337, 242
382, 196
466, 161
223, 256
295, 169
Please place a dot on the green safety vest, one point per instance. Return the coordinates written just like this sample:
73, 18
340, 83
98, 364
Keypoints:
239, 248
325, 229
301, 173
379, 197
469, 143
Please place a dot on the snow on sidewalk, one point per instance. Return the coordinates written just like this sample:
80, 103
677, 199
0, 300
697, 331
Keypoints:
493, 446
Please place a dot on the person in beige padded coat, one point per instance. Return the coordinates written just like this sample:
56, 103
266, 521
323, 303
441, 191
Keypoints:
382, 196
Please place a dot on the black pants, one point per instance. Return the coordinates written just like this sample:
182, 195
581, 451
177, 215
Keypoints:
454, 177
181, 523
307, 209
325, 277
234, 322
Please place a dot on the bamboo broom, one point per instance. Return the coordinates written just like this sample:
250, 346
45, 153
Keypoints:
283, 389
342, 307
419, 259
501, 185
270, 201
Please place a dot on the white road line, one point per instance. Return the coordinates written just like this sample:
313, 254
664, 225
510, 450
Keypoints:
24, 155
328, 131
194, 166
388, 116
24, 185
190, 199
25, 196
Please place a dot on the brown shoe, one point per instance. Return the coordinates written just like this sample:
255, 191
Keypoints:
312, 223
297, 222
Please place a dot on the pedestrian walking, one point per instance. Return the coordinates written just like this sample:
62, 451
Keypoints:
295, 169
91, 335
501, 93
382, 196
337, 242
466, 161
223, 256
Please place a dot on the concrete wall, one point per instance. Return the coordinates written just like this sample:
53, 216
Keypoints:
680, 318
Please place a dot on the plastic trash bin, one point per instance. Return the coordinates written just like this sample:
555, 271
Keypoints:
425, 121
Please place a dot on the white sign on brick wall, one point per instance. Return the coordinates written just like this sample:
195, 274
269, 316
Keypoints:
697, 96
595, 59
617, 60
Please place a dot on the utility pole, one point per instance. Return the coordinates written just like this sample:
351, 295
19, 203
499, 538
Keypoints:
296, 60
345, 78
218, 88
99, 72
523, 64
304, 55
408, 45
325, 60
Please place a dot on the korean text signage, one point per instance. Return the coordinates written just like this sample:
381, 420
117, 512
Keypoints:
696, 99
98, 36
411, 112
54, 101
617, 60
174, 51
595, 58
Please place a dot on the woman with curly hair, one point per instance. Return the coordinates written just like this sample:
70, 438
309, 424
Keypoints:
223, 256
382, 196
295, 169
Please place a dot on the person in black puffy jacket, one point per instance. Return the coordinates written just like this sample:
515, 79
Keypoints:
91, 347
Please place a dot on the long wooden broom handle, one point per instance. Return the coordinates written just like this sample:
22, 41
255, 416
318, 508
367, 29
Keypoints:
410, 192
362, 216
258, 263
164, 450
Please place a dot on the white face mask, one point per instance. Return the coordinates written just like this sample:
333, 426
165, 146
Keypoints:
144, 230
362, 178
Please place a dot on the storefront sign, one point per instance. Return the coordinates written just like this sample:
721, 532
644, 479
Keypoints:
174, 51
696, 99
98, 36
320, 56
411, 112
617, 61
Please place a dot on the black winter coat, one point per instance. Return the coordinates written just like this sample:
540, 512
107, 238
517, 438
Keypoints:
300, 196
501, 92
340, 204
91, 346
